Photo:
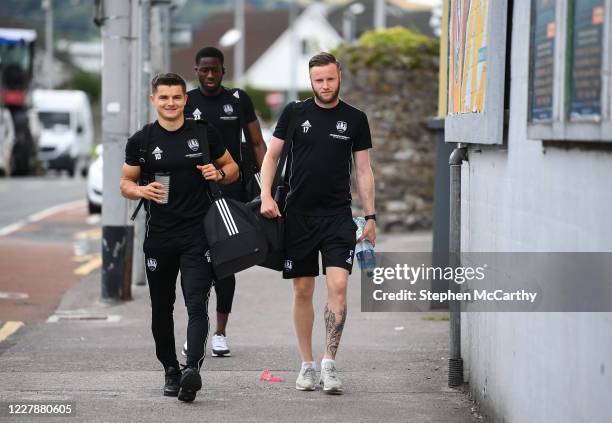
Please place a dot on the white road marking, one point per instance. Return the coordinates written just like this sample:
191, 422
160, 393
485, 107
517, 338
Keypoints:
13, 295
43, 214
111, 318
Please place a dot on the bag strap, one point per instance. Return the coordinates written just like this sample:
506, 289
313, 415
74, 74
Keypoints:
246, 148
143, 151
215, 190
282, 161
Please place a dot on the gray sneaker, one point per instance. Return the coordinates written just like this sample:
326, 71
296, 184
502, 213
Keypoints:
307, 380
330, 380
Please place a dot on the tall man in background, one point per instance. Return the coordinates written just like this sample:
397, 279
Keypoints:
330, 135
231, 112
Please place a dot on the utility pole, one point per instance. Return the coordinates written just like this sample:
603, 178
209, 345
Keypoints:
293, 52
117, 235
47, 6
380, 14
239, 46
142, 69
160, 36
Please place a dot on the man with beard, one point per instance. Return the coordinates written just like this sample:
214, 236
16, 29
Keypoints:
329, 133
220, 106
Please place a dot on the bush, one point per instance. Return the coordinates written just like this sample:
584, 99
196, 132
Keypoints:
397, 47
89, 82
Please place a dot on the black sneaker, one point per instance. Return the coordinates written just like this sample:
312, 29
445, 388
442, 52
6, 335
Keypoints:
173, 380
191, 382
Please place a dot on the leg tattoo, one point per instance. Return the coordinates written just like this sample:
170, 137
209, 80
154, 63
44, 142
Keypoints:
334, 324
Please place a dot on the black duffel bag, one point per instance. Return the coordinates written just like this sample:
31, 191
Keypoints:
234, 236
274, 229
235, 239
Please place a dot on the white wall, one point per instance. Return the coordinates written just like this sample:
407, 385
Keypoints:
537, 367
271, 70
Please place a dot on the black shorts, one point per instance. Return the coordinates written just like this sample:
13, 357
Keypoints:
306, 236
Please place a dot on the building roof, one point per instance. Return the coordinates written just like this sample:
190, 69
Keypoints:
262, 28
411, 18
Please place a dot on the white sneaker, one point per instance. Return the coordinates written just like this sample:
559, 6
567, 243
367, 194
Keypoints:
306, 380
330, 380
219, 346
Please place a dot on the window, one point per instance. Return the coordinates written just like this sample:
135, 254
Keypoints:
570, 79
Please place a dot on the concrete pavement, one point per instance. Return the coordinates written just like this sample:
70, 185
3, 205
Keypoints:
394, 365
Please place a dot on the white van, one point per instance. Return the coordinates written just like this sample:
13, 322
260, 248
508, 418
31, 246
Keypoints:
67, 133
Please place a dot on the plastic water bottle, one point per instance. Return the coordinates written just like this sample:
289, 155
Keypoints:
364, 250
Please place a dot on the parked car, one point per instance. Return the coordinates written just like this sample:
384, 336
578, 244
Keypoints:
67, 129
94, 182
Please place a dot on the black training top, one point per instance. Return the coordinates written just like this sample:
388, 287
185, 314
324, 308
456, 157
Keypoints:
222, 112
177, 152
320, 158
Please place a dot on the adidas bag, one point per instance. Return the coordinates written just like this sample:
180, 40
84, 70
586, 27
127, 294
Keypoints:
236, 242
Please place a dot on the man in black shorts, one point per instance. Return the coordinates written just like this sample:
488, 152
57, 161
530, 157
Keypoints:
329, 132
230, 111
176, 149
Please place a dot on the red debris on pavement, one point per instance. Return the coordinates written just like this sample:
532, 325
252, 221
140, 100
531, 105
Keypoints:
266, 376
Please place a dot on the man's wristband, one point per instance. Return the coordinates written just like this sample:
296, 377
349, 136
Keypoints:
370, 217
222, 173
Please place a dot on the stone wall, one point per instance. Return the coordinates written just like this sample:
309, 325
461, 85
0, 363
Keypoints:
399, 102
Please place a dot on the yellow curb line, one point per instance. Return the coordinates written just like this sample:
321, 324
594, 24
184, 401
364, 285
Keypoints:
95, 233
90, 266
8, 329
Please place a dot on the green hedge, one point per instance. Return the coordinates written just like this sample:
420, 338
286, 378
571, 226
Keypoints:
396, 47
91, 83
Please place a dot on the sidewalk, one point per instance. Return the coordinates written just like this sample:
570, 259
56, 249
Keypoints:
108, 367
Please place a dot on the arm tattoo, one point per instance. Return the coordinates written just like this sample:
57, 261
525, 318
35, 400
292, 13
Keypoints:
334, 324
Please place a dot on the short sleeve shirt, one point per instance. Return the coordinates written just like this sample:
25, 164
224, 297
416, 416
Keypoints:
320, 160
176, 153
222, 112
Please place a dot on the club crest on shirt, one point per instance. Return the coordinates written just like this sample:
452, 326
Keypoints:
197, 114
193, 144
306, 126
151, 264
157, 153
228, 109
341, 126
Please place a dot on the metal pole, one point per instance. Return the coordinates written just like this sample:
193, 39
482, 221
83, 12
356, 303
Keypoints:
145, 62
48, 62
143, 72
160, 36
117, 235
455, 362
293, 51
239, 46
165, 29
347, 26
380, 14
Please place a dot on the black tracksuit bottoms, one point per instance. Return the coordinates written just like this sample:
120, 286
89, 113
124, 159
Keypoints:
163, 260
